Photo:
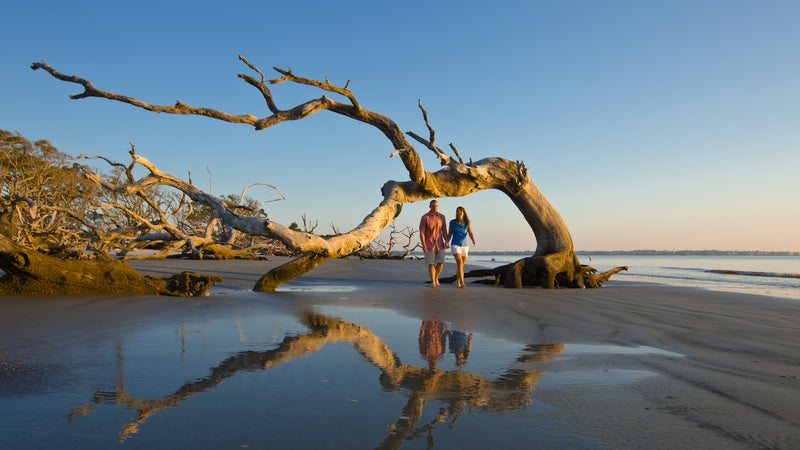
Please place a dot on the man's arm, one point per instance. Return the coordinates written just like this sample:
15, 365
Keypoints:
422, 227
443, 219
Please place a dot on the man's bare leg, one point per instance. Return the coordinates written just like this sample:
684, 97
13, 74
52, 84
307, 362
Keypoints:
434, 276
438, 271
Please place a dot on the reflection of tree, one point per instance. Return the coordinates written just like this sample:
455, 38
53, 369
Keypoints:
457, 389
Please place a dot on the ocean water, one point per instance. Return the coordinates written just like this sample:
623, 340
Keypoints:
777, 276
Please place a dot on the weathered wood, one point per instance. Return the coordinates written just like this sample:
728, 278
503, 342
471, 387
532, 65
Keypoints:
288, 271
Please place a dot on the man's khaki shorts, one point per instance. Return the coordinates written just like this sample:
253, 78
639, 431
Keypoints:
436, 257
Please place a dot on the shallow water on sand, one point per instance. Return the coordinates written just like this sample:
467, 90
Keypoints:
278, 375
776, 276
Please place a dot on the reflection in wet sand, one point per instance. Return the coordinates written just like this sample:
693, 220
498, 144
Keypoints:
457, 389
434, 336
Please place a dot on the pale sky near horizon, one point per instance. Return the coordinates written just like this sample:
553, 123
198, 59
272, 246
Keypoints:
648, 124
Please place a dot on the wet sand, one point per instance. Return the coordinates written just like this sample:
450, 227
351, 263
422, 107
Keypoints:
733, 382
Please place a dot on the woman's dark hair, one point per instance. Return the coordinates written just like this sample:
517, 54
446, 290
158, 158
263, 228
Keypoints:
466, 217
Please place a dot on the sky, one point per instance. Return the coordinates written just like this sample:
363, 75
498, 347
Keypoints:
666, 125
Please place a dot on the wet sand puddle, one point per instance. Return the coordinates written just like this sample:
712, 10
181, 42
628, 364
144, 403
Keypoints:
319, 377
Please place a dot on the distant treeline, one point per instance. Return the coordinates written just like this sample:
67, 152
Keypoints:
659, 253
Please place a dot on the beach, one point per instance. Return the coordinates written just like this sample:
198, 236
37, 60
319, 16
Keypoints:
628, 365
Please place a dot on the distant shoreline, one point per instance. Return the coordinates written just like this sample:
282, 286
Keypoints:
654, 252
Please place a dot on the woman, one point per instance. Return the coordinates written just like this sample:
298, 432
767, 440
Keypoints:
458, 230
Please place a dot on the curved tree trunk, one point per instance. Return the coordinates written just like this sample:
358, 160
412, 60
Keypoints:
554, 264
289, 271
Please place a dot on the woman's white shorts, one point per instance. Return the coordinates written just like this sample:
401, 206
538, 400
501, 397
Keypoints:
459, 250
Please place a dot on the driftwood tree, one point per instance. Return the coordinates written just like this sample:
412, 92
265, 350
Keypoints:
59, 208
147, 215
554, 263
380, 249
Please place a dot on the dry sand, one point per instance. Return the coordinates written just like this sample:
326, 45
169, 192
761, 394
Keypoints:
735, 386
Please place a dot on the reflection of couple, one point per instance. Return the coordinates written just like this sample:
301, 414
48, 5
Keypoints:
433, 337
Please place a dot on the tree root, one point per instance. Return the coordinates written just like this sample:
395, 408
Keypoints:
551, 271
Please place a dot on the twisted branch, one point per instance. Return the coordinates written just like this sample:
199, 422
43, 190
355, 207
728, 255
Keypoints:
179, 108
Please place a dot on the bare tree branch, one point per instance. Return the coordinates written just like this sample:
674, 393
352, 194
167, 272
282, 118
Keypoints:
178, 108
273, 187
458, 155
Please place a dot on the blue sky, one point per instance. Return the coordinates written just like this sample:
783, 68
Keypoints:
648, 124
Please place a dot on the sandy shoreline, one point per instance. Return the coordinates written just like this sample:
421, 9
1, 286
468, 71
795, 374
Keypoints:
733, 384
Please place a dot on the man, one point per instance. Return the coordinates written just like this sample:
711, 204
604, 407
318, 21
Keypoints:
432, 230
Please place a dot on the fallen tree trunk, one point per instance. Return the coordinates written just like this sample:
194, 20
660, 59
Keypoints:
28, 272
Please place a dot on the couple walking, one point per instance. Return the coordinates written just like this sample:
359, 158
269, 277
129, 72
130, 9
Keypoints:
436, 236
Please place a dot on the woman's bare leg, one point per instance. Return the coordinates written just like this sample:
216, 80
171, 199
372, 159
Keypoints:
459, 270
